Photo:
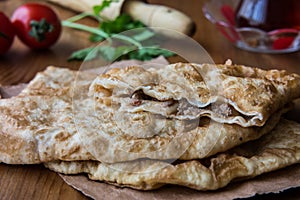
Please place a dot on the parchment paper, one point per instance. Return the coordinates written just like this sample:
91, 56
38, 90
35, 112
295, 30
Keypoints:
273, 182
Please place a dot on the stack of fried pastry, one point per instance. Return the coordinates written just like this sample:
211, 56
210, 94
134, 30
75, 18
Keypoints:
196, 125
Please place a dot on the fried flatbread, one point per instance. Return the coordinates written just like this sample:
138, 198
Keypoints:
233, 94
46, 123
42, 129
278, 149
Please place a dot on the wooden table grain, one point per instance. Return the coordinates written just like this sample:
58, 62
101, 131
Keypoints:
20, 65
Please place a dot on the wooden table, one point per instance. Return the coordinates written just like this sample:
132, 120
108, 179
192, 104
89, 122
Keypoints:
20, 65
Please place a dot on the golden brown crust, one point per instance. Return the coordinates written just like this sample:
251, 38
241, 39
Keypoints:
49, 124
53, 121
49, 121
232, 94
276, 150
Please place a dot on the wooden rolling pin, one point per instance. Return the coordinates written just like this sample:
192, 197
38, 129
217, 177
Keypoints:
150, 14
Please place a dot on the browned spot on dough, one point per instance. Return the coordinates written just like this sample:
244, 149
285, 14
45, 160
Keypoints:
62, 136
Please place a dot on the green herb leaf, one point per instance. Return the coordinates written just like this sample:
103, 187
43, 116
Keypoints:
99, 8
122, 23
96, 38
105, 52
122, 52
147, 53
144, 35
134, 24
117, 25
81, 54
109, 53
140, 45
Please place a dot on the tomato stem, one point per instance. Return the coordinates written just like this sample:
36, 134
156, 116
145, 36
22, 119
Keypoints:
39, 29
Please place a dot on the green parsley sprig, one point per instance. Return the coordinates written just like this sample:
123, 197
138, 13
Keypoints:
138, 46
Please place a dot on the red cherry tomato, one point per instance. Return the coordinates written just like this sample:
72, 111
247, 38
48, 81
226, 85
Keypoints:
7, 33
36, 25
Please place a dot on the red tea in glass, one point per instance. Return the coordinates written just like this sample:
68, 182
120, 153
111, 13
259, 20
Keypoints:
268, 15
